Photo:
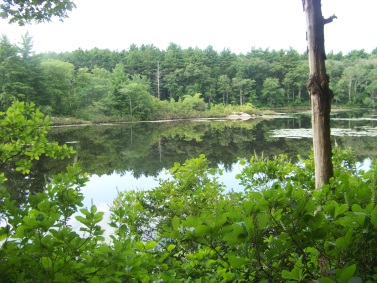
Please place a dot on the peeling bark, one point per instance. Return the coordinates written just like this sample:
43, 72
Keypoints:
320, 93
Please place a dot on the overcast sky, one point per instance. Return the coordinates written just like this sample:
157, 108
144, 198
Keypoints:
237, 24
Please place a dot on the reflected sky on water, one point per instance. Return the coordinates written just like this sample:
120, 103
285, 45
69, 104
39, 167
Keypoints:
136, 156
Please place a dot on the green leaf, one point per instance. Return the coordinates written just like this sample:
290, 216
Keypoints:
192, 221
262, 221
89, 270
46, 262
122, 229
175, 223
341, 243
295, 274
83, 220
150, 245
220, 220
356, 208
170, 248
347, 273
98, 217
118, 246
3, 233
39, 217
201, 229
355, 279
93, 209
95, 279
139, 246
340, 210
236, 261
20, 231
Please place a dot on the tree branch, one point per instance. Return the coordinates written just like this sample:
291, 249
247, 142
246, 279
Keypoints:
329, 20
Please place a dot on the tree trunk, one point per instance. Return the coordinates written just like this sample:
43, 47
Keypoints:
320, 93
349, 91
158, 78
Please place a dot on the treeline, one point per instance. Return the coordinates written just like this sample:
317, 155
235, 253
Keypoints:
144, 82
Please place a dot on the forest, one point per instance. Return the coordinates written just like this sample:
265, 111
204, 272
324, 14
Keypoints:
189, 228
145, 83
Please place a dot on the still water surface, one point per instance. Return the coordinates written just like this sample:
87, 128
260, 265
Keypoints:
135, 156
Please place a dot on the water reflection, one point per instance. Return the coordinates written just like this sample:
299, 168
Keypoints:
134, 156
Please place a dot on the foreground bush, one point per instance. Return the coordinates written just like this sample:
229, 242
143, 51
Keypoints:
278, 230
190, 228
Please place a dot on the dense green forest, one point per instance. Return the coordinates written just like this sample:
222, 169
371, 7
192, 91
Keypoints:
144, 82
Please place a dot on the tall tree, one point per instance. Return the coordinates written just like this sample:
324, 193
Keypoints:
12, 87
31, 76
319, 90
58, 86
272, 93
224, 85
372, 88
243, 87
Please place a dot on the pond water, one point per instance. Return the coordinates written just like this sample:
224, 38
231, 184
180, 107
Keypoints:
135, 156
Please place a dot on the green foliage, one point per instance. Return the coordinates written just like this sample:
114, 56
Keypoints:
26, 11
136, 102
38, 242
194, 102
279, 229
272, 93
57, 82
95, 84
16, 73
194, 187
189, 228
22, 136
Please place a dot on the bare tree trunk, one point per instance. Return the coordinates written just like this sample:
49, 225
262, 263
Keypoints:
349, 91
320, 93
158, 77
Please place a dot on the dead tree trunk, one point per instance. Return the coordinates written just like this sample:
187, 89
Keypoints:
158, 78
320, 93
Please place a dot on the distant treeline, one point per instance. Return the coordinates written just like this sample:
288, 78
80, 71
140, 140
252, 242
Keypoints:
142, 81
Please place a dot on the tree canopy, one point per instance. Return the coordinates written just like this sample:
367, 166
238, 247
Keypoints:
86, 83
25, 11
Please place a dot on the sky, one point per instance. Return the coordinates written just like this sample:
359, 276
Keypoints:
238, 25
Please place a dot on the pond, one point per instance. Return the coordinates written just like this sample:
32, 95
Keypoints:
136, 155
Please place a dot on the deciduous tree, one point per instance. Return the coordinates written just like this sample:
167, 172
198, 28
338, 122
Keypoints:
58, 85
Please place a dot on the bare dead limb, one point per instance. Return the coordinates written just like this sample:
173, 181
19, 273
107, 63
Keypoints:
329, 20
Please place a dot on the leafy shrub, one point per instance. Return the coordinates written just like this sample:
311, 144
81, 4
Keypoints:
280, 229
189, 228
194, 102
